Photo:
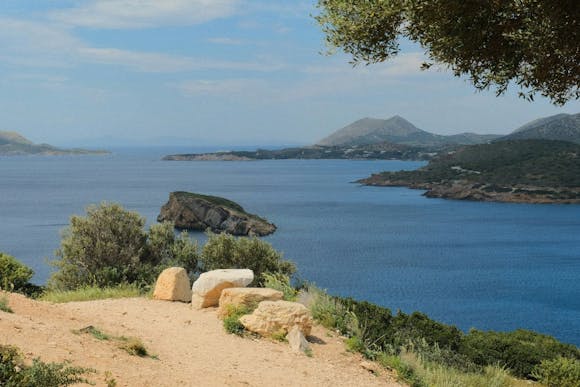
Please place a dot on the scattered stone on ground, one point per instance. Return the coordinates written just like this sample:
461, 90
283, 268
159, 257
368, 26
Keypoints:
173, 285
297, 341
207, 289
278, 317
248, 297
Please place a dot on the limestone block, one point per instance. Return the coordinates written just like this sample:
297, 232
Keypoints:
246, 297
207, 289
172, 285
278, 317
297, 340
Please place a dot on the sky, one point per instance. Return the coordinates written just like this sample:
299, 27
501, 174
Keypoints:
215, 72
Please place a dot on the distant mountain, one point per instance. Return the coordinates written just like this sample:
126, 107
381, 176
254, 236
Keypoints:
563, 127
397, 130
12, 143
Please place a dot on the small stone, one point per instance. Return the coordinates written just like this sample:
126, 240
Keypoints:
172, 285
371, 367
297, 340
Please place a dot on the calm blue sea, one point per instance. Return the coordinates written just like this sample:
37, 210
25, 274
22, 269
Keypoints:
484, 265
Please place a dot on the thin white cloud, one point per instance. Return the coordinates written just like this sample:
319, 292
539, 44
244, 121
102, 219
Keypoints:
221, 88
226, 41
43, 45
403, 65
140, 61
136, 14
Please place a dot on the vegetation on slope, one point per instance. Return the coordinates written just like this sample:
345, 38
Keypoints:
218, 201
542, 168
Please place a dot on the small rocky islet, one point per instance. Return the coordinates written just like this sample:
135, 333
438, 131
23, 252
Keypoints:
193, 211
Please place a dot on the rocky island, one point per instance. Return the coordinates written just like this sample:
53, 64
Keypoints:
192, 211
523, 171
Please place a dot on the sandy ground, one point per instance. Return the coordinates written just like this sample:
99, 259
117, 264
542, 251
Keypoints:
191, 346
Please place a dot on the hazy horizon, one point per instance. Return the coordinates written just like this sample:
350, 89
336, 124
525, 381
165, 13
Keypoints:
224, 73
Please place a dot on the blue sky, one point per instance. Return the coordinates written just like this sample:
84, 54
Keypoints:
214, 72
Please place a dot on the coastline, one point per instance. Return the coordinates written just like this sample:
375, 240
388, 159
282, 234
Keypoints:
465, 190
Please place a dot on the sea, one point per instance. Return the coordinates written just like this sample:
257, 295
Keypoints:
489, 266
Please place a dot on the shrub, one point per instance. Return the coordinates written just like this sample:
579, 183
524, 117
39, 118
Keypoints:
4, 307
223, 251
281, 283
520, 351
164, 249
109, 246
13, 372
14, 275
330, 313
558, 372
103, 249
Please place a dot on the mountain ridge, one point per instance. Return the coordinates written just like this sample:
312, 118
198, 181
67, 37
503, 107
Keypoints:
397, 130
561, 127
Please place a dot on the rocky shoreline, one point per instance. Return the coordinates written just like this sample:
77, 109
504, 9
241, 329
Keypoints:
466, 190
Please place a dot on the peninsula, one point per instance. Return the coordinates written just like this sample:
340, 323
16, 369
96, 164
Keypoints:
526, 171
14, 144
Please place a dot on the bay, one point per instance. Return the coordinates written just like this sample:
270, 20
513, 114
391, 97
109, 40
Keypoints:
486, 265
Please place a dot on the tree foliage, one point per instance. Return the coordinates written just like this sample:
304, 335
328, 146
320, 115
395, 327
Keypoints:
224, 251
14, 275
532, 43
110, 246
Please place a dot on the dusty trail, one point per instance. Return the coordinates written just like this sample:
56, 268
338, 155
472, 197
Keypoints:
192, 347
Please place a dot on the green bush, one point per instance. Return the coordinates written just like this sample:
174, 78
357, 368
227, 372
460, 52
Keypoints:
224, 251
103, 248
232, 322
14, 373
520, 351
331, 313
109, 246
558, 372
14, 275
281, 283
4, 307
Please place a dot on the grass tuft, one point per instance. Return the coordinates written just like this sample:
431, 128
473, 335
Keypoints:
96, 333
4, 307
90, 293
134, 346
232, 322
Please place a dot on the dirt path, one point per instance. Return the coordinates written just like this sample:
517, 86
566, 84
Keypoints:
191, 346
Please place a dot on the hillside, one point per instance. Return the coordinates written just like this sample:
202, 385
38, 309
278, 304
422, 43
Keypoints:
561, 127
190, 347
396, 130
519, 171
14, 144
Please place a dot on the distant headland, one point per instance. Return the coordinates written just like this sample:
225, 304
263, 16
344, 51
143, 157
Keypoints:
523, 171
14, 144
